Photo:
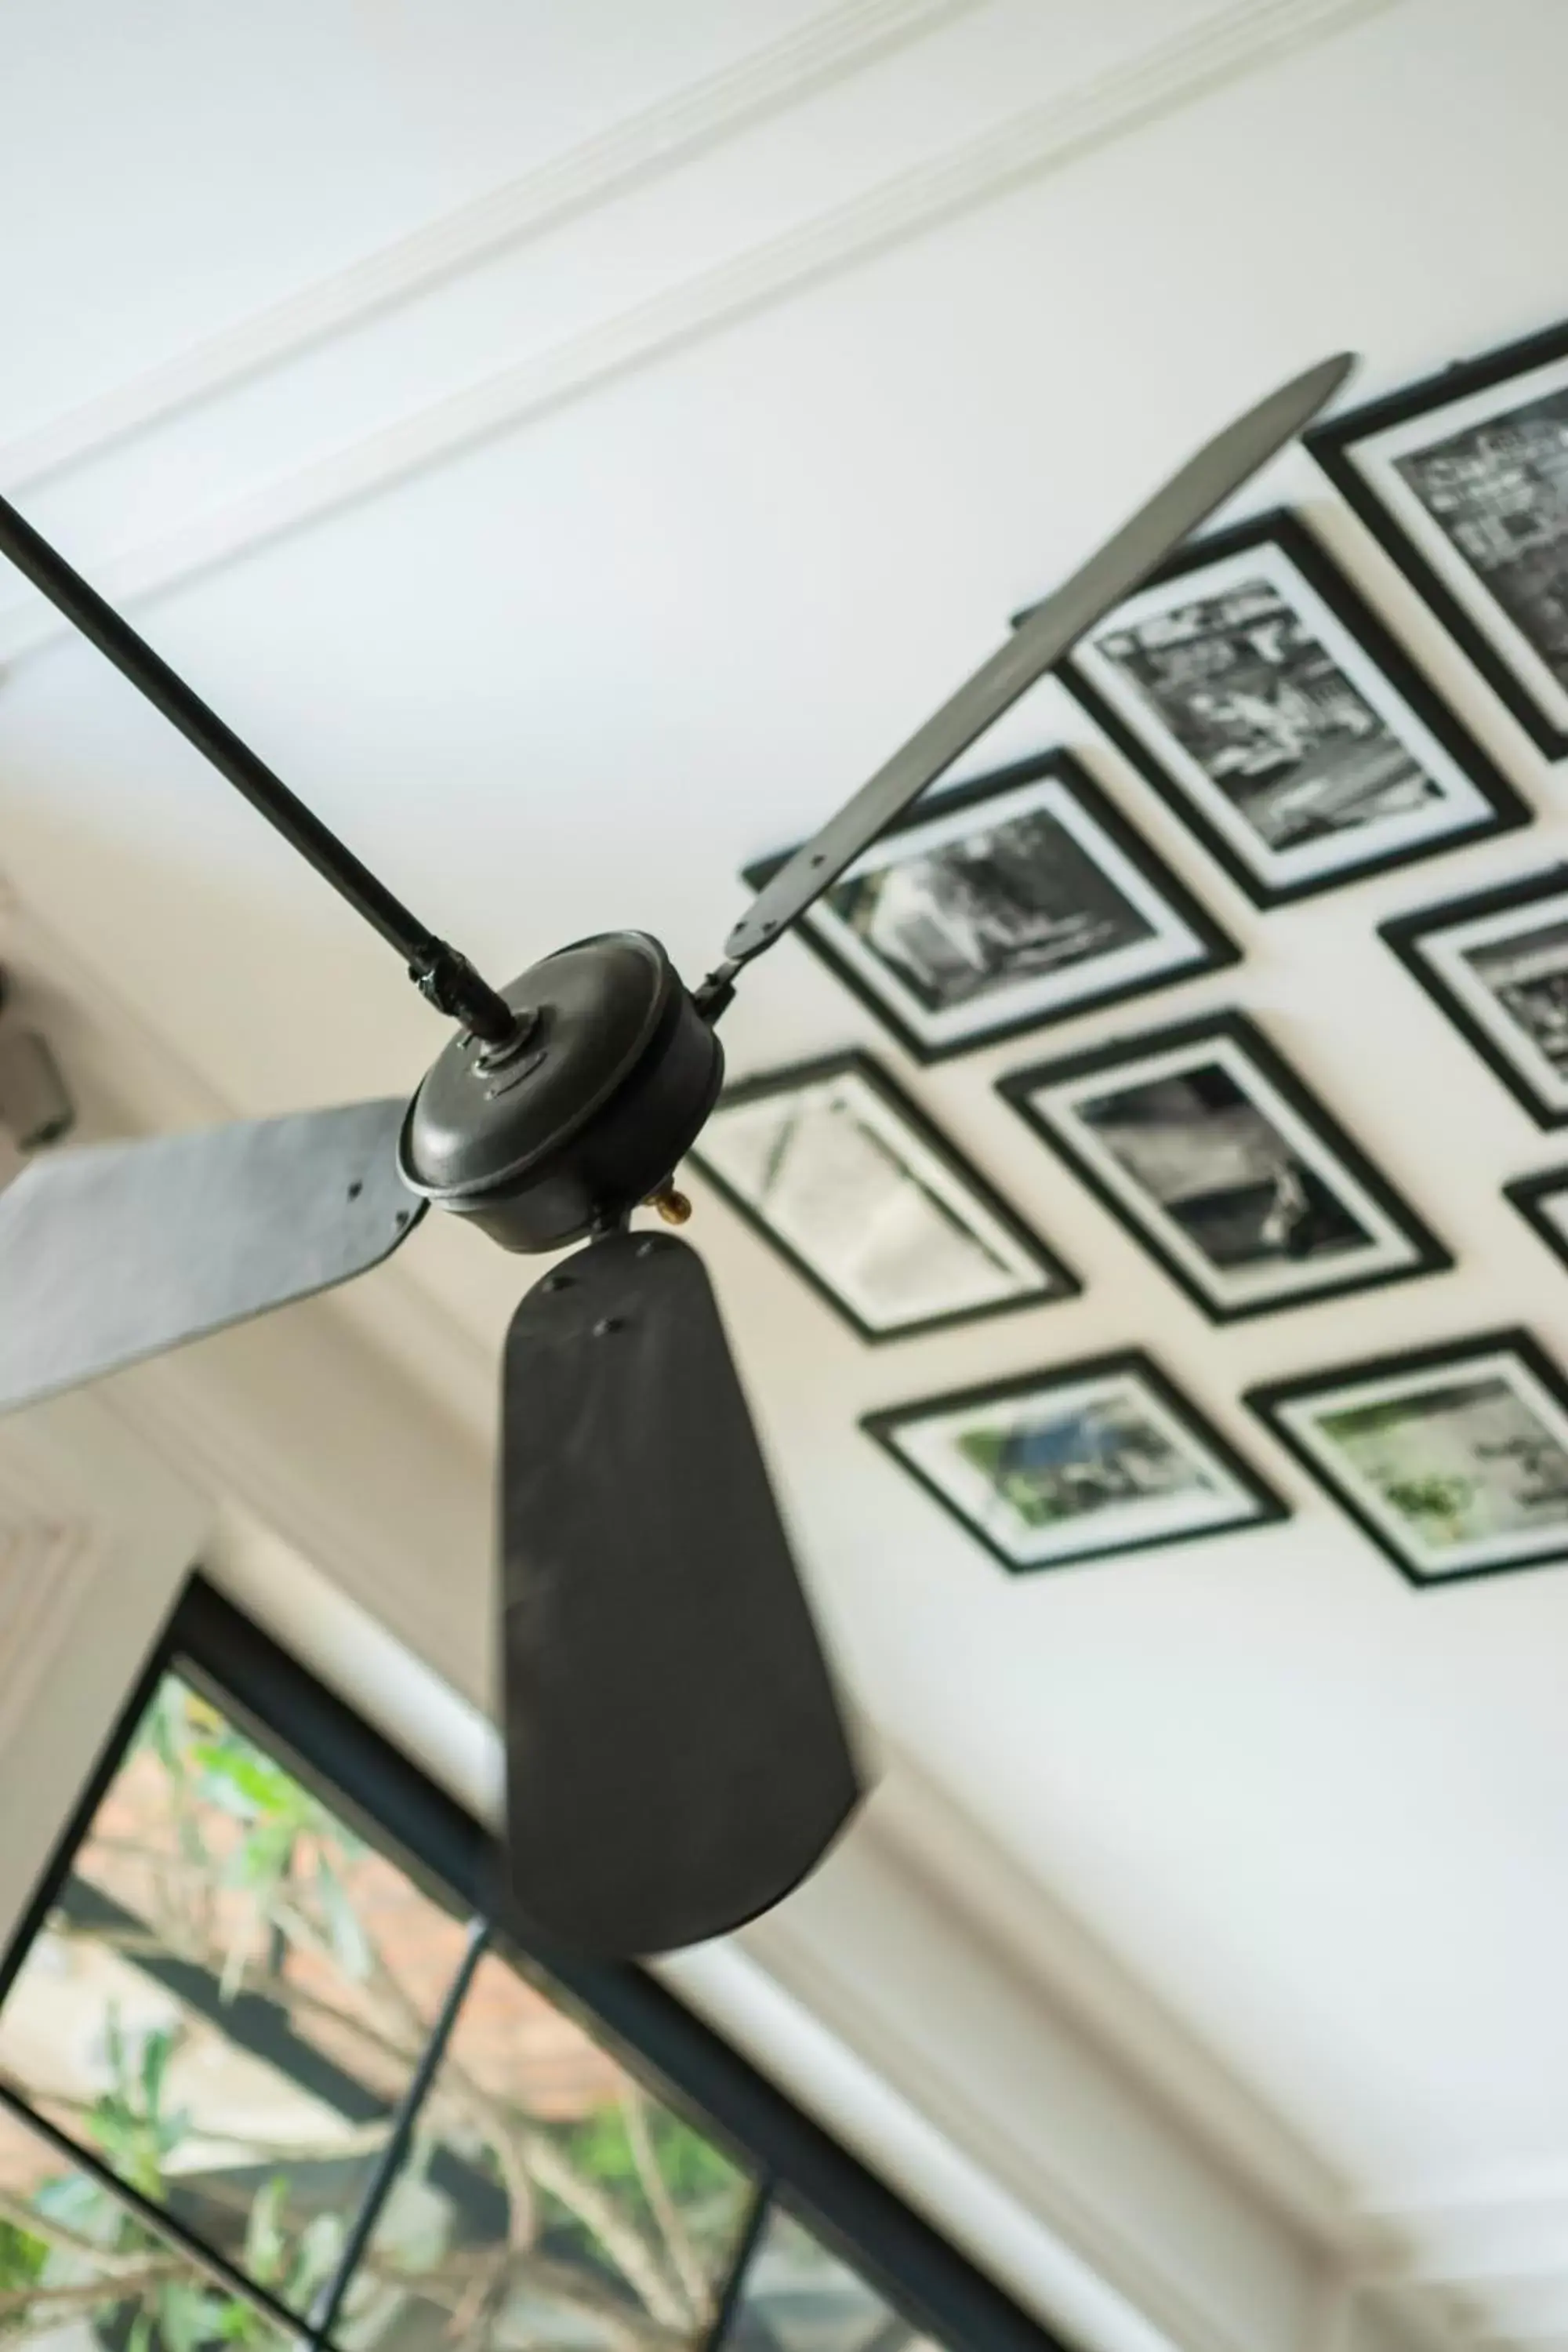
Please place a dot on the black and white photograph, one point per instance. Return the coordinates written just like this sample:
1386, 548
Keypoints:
835, 1166
1086, 1461
997, 905
1464, 479
1205, 1145
1454, 1459
1496, 961
1542, 1202
1259, 694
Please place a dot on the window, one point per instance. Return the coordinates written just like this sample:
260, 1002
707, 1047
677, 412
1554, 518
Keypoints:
274, 2073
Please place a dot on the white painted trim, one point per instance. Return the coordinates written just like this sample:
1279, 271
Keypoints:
829, 48
780, 2034
954, 1856
1235, 40
48, 1556
79, 1643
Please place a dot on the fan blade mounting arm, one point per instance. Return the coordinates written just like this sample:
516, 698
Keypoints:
446, 977
122, 1250
675, 1762
1041, 640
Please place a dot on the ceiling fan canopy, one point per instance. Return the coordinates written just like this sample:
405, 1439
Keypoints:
677, 1754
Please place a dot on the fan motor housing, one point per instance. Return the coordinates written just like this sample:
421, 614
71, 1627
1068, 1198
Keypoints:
582, 1113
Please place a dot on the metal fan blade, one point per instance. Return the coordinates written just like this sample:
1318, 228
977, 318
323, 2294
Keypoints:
1048, 632
123, 1250
675, 1761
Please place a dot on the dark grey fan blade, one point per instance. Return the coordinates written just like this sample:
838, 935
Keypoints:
674, 1758
1046, 633
126, 1249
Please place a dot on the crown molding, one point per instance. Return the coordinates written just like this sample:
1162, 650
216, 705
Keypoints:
1233, 41
1157, 2235
1501, 2259
958, 1859
674, 130
49, 1552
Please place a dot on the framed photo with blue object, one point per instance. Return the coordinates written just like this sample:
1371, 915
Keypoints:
1085, 1461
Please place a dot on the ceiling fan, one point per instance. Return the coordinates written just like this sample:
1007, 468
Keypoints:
676, 1758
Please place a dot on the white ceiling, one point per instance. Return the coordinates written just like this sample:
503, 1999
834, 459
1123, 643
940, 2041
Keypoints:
574, 444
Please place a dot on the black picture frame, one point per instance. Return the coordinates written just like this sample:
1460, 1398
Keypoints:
1118, 1194
1263, 1505
1274, 1400
1499, 808
1409, 936
1530, 1194
1211, 949
1343, 448
1059, 1281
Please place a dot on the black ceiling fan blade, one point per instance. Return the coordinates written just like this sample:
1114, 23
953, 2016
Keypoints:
1043, 636
122, 1250
675, 1759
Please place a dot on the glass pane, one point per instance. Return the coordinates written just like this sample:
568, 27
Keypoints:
230, 1996
548, 2201
798, 2297
78, 2272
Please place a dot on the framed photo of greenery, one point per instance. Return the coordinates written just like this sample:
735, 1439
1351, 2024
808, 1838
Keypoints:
1453, 1459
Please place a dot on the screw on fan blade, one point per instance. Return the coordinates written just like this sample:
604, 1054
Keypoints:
447, 979
675, 1761
123, 1250
1046, 632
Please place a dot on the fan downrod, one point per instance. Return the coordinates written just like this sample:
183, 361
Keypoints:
578, 1115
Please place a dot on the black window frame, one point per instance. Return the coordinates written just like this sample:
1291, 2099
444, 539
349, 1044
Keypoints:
791, 2160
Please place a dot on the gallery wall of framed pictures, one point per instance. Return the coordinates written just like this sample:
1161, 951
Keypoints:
1251, 700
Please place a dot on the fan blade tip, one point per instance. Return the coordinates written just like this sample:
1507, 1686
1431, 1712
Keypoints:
1317, 385
594, 1928
1336, 370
